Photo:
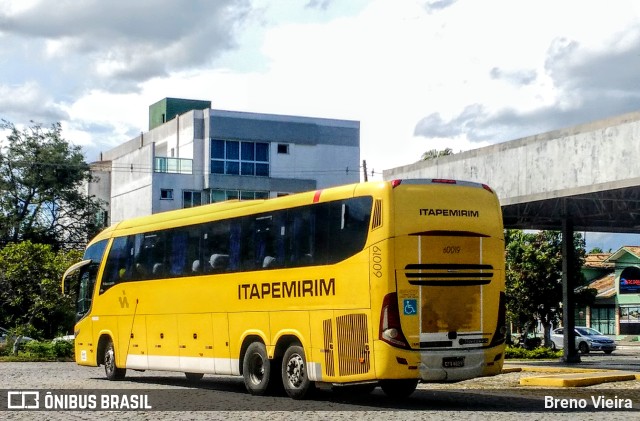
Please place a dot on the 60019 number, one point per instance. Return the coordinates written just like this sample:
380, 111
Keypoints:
452, 250
376, 261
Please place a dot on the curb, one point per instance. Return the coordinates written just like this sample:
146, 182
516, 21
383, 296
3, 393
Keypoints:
570, 376
547, 369
579, 379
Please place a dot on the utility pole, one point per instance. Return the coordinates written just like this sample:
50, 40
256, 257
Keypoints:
364, 168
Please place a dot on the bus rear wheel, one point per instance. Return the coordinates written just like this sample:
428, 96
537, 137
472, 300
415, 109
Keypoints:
110, 368
256, 369
294, 373
399, 388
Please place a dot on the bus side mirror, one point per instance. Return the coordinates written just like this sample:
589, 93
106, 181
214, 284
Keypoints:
66, 287
66, 278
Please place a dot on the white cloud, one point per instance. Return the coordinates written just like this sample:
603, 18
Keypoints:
483, 71
18, 101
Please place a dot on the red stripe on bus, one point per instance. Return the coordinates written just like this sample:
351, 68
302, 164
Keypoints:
316, 197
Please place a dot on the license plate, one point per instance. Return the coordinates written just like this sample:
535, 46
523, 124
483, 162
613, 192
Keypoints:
452, 362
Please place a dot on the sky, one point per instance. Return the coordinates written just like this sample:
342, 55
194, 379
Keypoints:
417, 75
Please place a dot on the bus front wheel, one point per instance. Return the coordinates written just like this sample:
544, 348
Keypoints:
256, 369
294, 372
399, 388
111, 370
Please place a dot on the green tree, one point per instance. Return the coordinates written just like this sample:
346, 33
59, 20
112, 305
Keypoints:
434, 153
534, 276
31, 301
41, 175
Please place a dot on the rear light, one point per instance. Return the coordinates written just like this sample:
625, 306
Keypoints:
487, 188
390, 329
395, 183
443, 181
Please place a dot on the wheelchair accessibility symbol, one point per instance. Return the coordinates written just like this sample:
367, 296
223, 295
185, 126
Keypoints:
410, 307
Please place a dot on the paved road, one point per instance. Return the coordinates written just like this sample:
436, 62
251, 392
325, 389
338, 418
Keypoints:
497, 398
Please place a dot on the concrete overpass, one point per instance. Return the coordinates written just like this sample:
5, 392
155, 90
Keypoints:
583, 178
591, 172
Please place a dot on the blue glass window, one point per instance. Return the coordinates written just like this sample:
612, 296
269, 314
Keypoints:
239, 158
233, 150
248, 151
217, 149
262, 152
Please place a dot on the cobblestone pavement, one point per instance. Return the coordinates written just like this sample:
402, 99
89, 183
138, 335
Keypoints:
497, 398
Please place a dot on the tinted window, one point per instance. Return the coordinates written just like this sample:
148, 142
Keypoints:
95, 251
118, 264
319, 234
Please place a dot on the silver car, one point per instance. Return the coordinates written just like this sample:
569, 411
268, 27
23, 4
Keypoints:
587, 339
6, 336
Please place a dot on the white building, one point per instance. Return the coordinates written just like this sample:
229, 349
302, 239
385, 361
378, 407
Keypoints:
204, 155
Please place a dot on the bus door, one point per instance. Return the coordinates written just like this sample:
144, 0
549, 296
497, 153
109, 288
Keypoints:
80, 280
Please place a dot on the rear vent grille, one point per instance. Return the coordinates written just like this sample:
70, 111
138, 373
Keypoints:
328, 347
439, 274
376, 221
353, 344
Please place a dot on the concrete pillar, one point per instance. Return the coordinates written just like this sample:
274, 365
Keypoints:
568, 303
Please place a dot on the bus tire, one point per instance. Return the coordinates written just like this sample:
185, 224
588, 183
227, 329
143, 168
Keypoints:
294, 372
110, 368
256, 369
194, 377
399, 388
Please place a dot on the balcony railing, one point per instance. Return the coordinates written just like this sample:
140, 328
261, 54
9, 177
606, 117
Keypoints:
173, 165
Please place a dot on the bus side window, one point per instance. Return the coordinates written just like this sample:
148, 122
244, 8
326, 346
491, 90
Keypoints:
151, 259
118, 264
348, 227
235, 246
280, 237
215, 247
264, 243
177, 240
301, 250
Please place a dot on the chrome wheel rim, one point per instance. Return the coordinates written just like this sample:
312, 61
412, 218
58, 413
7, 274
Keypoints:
295, 370
109, 362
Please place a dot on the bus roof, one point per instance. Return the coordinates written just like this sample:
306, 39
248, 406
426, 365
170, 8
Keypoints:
229, 209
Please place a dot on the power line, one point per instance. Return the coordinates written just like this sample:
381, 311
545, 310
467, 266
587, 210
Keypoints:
149, 169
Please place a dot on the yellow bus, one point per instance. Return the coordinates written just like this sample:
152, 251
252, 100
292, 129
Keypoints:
372, 284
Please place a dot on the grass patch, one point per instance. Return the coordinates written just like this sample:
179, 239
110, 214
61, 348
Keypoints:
534, 354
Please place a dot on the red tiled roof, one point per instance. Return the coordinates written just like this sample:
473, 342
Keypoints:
605, 286
597, 260
633, 250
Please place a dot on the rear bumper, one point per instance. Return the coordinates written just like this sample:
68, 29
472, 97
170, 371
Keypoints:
476, 363
429, 366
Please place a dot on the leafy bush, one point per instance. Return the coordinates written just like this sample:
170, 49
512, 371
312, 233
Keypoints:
62, 349
534, 354
38, 349
48, 350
